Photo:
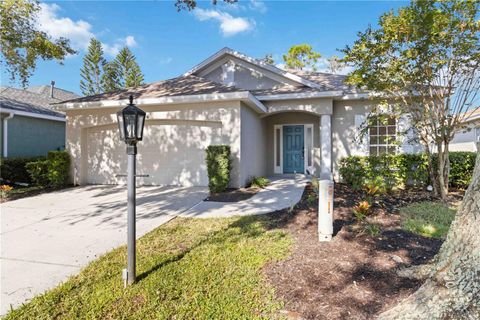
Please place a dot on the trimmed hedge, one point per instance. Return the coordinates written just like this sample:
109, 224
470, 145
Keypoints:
14, 169
404, 170
218, 167
38, 171
52, 172
461, 168
58, 168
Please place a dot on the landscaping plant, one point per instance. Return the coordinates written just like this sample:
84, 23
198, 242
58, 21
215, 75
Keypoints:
52, 172
58, 168
361, 210
403, 170
38, 171
14, 169
5, 187
259, 182
371, 229
374, 188
218, 167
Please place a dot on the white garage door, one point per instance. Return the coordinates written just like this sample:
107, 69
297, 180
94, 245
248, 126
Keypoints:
171, 153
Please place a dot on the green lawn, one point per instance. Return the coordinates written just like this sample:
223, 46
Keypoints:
429, 219
187, 269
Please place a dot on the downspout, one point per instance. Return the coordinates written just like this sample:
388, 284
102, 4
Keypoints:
5, 134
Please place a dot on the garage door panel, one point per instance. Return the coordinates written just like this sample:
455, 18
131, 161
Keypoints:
171, 154
106, 157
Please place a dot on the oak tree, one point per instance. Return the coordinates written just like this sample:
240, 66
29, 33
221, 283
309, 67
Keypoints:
424, 62
22, 43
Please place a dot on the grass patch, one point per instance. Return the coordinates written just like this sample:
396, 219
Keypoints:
20, 192
187, 269
429, 219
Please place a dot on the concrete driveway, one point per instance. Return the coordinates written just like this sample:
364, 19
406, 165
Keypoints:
49, 237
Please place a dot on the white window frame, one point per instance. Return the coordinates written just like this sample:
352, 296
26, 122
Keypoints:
386, 145
306, 126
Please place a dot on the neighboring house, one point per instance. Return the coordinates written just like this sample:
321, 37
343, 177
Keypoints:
28, 125
275, 122
468, 139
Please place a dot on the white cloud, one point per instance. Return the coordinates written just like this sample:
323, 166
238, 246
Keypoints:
258, 5
229, 25
130, 41
79, 32
114, 48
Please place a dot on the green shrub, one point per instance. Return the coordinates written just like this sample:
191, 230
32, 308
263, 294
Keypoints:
403, 170
38, 171
58, 163
353, 171
218, 167
259, 182
14, 169
461, 168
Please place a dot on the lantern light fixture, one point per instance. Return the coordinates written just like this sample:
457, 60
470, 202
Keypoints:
131, 121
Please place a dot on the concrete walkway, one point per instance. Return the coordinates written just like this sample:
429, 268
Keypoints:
283, 192
49, 237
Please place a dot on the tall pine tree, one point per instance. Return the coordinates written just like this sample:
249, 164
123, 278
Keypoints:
128, 69
91, 72
111, 77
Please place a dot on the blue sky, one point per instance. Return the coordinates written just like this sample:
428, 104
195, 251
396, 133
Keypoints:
168, 43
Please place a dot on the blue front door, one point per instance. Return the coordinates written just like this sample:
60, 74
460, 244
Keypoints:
293, 160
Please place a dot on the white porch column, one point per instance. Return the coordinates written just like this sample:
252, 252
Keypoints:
325, 147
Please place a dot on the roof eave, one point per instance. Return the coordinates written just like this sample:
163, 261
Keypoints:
33, 114
184, 99
301, 95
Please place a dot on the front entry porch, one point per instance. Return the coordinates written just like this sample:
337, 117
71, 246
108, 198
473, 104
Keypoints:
299, 143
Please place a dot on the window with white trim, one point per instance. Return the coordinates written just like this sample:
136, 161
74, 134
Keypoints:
382, 132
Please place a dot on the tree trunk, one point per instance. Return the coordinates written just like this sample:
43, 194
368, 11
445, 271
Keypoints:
452, 290
431, 170
443, 191
446, 172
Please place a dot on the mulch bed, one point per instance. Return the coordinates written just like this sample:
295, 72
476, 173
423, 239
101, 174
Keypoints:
233, 195
354, 275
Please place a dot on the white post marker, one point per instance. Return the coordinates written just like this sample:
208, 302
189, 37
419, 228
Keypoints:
325, 210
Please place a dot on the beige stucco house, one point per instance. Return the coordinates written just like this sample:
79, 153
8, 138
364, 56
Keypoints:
276, 121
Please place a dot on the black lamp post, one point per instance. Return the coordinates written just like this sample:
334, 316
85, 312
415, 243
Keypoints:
130, 123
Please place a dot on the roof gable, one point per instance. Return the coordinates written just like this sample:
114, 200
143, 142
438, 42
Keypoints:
226, 54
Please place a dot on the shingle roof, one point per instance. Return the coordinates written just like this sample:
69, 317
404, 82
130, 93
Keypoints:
58, 93
183, 85
328, 81
26, 101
